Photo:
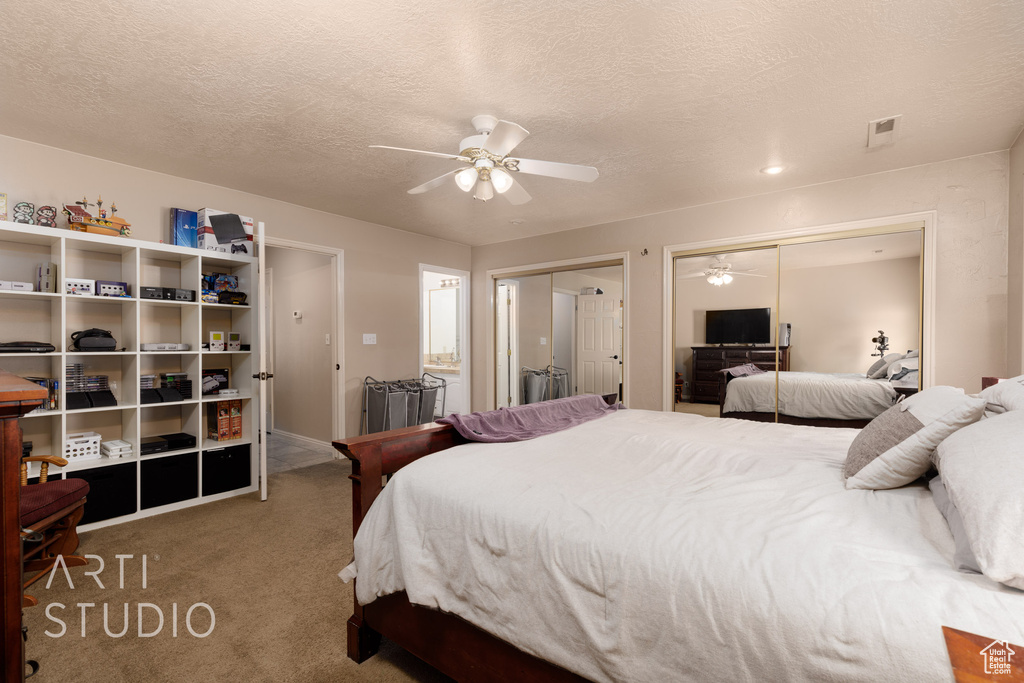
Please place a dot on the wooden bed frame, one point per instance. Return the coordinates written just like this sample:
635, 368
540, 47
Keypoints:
445, 641
783, 418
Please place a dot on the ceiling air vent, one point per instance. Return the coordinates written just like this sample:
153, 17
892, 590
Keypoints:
884, 131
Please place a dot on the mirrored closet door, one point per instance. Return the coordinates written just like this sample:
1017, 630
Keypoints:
558, 334
821, 309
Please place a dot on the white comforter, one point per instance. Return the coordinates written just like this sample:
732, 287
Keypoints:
650, 546
839, 396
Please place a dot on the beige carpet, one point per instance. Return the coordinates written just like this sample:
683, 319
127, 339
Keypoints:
268, 571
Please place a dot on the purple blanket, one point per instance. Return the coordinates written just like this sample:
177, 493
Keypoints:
529, 421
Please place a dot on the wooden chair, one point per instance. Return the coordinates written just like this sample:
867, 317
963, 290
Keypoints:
680, 385
50, 512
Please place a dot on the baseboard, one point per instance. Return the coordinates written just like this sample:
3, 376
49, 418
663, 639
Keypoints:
307, 442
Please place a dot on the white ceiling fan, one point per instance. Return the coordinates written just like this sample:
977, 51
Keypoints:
719, 272
490, 169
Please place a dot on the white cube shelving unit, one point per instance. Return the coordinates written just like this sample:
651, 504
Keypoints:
132, 487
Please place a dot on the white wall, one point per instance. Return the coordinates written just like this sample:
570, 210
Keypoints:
381, 264
969, 196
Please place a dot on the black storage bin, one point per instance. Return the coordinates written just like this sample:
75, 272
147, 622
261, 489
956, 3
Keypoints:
170, 480
226, 469
112, 491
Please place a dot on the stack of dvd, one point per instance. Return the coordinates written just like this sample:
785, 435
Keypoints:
96, 383
147, 381
75, 374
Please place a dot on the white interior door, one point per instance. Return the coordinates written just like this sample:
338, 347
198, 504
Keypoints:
599, 344
262, 346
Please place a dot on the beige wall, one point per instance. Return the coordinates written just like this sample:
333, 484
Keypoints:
381, 264
836, 310
1015, 262
303, 362
969, 196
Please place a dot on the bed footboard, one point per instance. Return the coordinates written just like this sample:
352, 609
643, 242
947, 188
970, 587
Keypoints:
373, 457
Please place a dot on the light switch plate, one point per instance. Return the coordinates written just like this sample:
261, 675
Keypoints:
369, 339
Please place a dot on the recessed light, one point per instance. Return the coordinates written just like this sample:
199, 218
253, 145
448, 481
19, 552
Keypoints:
772, 170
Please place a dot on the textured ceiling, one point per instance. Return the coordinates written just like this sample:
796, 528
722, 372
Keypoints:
676, 103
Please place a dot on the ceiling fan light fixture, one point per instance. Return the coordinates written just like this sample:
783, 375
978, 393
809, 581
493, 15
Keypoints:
484, 190
726, 278
501, 180
773, 170
466, 179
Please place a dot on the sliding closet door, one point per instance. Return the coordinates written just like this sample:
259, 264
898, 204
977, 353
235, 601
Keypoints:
838, 294
725, 314
587, 331
532, 333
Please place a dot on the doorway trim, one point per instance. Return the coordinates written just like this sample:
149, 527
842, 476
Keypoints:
337, 256
929, 219
581, 263
464, 326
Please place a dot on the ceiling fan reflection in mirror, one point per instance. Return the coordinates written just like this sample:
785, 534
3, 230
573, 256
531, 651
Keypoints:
720, 273
489, 168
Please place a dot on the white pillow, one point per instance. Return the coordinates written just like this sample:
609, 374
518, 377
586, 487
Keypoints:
879, 367
963, 557
895, 448
1005, 396
902, 364
982, 467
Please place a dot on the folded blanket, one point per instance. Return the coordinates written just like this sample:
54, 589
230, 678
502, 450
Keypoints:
529, 421
743, 370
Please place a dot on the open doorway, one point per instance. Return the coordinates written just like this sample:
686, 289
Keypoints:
444, 335
304, 353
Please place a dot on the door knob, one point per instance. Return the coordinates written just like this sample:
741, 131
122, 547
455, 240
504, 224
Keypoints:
616, 356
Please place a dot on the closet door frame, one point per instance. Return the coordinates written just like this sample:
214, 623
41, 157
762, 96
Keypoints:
926, 221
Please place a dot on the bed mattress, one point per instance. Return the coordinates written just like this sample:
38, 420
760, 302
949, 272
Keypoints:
650, 546
837, 396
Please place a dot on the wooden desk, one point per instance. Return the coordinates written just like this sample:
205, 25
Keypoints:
17, 397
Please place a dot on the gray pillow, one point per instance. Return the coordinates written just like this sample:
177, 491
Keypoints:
1005, 396
963, 558
879, 367
896, 447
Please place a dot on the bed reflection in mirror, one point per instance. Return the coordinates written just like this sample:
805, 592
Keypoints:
839, 296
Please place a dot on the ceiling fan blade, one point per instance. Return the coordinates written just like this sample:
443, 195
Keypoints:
454, 157
555, 169
515, 194
741, 272
504, 138
431, 184
700, 274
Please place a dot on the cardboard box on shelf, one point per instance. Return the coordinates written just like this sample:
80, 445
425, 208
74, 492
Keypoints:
226, 232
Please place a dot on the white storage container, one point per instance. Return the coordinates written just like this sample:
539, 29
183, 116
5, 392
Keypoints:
82, 446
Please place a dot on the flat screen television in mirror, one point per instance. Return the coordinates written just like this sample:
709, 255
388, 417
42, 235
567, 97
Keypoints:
738, 326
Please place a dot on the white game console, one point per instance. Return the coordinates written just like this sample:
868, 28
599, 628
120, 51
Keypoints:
165, 346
